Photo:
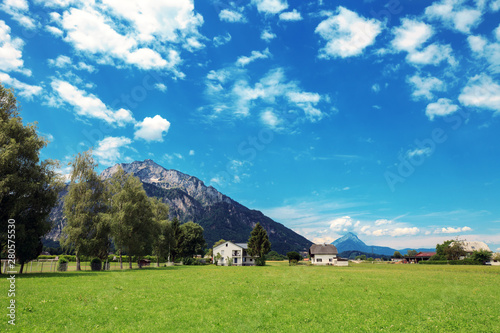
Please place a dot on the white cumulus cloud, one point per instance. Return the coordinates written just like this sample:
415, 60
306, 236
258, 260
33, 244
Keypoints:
270, 6
347, 34
152, 129
292, 16
108, 150
481, 92
441, 108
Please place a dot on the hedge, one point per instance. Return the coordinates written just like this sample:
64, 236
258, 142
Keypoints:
451, 262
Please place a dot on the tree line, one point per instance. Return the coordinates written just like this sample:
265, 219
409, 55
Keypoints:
118, 211
99, 213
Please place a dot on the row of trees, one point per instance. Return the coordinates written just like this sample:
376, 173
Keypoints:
119, 211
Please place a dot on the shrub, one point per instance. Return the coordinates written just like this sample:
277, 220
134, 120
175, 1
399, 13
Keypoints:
188, 261
62, 265
46, 257
96, 264
292, 262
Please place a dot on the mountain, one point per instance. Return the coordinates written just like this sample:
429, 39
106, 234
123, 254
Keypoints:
351, 242
191, 200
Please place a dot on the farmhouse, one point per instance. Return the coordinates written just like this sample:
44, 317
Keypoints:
470, 247
421, 256
325, 254
234, 253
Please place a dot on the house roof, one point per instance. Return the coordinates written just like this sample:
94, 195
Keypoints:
323, 249
425, 254
244, 246
473, 246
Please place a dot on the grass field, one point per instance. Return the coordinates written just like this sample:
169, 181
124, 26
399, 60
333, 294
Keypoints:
275, 298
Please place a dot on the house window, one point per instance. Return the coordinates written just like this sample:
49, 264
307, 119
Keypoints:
251, 259
330, 260
235, 260
226, 244
319, 260
244, 259
222, 252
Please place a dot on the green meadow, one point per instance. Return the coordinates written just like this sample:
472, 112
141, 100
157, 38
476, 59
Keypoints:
274, 298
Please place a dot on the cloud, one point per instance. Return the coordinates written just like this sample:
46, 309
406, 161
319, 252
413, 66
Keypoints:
90, 106
411, 35
397, 232
454, 15
481, 92
19, 11
144, 34
63, 61
108, 149
376, 88
191, 152
482, 48
270, 6
451, 230
419, 152
10, 51
382, 222
22, 89
342, 224
161, 87
244, 60
267, 35
231, 91
424, 85
152, 129
292, 16
231, 16
442, 107
269, 118
347, 34
222, 39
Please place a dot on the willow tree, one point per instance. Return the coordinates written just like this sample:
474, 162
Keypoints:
87, 230
28, 187
132, 225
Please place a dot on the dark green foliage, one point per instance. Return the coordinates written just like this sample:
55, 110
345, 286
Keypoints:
191, 241
481, 256
28, 186
188, 261
438, 257
451, 262
397, 255
96, 264
356, 254
62, 265
293, 262
410, 253
275, 256
294, 256
259, 244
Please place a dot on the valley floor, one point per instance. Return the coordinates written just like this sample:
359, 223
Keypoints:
274, 298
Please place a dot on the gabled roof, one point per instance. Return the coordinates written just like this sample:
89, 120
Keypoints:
244, 246
323, 249
425, 254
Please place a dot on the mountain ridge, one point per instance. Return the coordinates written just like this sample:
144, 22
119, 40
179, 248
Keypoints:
190, 199
351, 242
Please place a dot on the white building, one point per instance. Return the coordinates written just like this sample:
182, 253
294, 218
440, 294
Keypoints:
236, 253
325, 254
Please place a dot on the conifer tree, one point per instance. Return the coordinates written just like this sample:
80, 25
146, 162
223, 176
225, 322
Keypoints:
259, 244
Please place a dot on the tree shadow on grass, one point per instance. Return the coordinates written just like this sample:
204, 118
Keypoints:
90, 273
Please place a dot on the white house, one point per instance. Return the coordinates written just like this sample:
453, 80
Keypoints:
325, 254
236, 253
470, 247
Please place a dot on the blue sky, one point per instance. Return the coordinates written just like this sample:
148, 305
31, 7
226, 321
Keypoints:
377, 117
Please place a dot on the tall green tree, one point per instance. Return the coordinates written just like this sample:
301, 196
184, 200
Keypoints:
397, 255
191, 241
163, 237
175, 250
411, 253
28, 187
259, 244
87, 230
131, 216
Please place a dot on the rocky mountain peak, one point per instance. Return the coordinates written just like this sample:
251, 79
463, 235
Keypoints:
150, 172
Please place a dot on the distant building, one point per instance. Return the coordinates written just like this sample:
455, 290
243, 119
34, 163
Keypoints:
421, 256
325, 254
235, 253
470, 247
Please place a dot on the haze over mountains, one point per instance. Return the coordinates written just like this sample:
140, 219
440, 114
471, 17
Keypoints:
190, 200
351, 242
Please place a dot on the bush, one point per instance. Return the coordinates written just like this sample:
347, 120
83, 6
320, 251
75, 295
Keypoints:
62, 265
46, 257
292, 262
260, 261
293, 256
451, 262
96, 264
188, 261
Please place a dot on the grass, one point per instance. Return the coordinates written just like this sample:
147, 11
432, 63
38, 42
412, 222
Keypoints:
275, 298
